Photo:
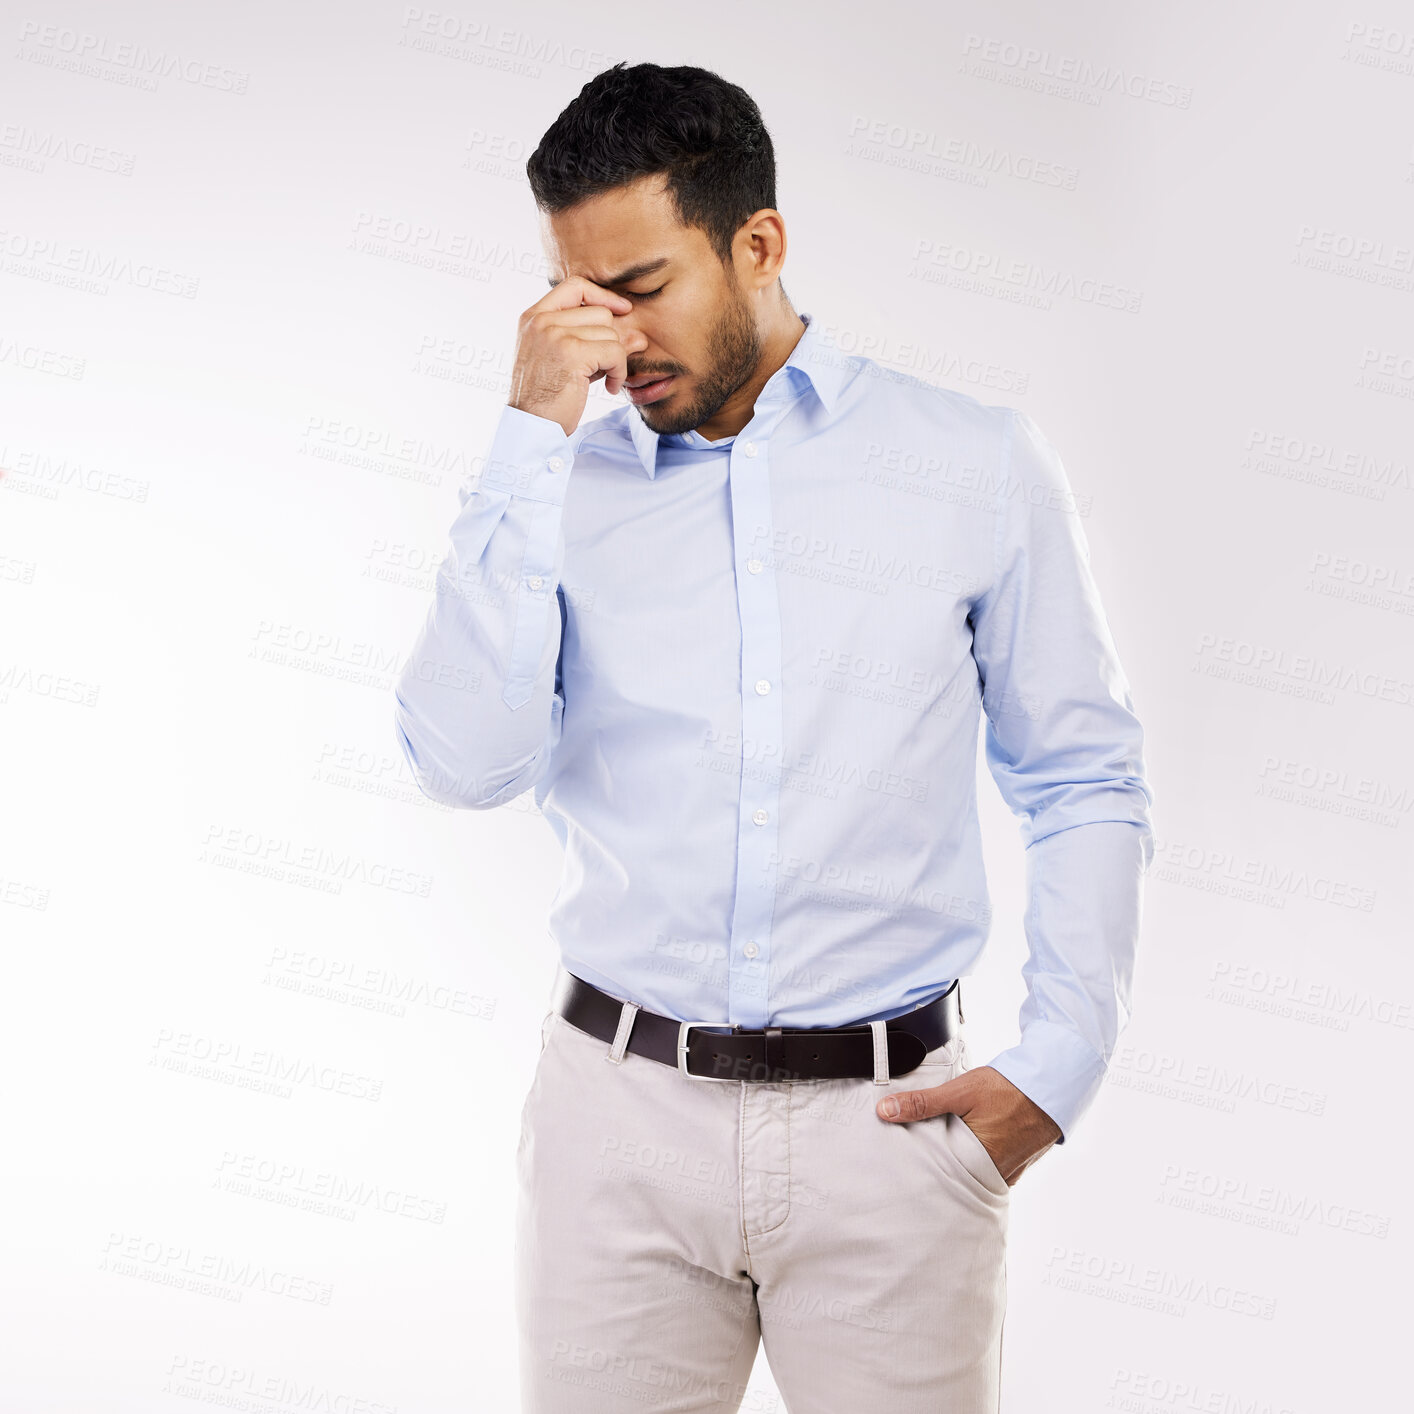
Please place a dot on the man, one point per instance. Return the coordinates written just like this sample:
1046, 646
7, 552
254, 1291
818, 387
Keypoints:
738, 638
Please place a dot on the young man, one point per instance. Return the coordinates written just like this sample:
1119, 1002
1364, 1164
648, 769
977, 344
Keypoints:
738, 638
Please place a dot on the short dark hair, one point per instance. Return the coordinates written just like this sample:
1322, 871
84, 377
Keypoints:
690, 123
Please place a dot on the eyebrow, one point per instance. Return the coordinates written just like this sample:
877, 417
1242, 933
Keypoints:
626, 277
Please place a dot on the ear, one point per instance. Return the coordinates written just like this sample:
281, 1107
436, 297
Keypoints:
760, 248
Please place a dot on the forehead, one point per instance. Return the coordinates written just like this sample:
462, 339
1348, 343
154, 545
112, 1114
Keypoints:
605, 236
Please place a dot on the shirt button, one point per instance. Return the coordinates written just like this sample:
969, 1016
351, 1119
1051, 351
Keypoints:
760, 817
749, 448
751, 950
535, 581
763, 687
754, 566
556, 463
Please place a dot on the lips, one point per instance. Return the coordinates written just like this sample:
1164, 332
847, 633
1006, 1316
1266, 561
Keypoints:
648, 387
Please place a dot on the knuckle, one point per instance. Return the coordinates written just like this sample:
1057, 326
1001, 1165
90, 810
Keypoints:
913, 1104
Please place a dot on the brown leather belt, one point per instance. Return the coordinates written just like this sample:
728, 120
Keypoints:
709, 1050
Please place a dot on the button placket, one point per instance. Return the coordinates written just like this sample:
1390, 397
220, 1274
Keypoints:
761, 730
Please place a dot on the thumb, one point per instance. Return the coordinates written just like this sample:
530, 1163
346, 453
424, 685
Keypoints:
904, 1106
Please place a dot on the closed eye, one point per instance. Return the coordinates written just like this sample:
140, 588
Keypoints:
643, 294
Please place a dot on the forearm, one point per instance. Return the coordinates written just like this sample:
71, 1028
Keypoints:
476, 710
1084, 905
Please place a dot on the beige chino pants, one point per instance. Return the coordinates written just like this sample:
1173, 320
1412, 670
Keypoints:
665, 1225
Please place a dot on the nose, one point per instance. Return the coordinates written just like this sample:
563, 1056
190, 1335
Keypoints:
634, 340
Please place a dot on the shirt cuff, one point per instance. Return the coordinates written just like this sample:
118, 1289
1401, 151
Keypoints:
1054, 1069
530, 456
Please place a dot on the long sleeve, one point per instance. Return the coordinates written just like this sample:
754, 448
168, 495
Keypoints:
1066, 750
477, 705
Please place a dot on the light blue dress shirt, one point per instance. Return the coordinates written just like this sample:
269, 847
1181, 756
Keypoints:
743, 679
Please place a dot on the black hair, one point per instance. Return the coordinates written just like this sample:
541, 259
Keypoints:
706, 134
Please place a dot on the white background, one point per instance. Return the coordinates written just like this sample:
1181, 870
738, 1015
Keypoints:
256, 321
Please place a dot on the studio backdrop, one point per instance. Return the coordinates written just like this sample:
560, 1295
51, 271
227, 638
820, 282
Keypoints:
270, 1013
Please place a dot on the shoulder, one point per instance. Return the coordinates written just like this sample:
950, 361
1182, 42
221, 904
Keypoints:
995, 447
1001, 433
909, 405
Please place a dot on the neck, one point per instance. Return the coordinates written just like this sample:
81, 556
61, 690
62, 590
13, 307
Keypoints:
778, 343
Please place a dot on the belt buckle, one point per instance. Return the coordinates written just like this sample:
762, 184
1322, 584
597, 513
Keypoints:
683, 1028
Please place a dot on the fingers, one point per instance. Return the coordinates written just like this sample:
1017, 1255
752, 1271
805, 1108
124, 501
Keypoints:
610, 362
577, 321
615, 375
604, 355
576, 292
580, 316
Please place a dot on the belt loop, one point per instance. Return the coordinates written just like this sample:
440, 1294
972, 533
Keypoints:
626, 1016
881, 1052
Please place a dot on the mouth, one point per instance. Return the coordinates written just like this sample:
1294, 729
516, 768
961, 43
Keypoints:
648, 387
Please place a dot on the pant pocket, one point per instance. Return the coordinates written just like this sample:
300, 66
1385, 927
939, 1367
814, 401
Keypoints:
547, 1026
974, 1156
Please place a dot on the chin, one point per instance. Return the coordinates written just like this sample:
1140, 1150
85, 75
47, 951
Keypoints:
663, 418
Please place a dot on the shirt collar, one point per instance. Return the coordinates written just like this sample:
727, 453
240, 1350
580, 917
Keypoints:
821, 367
